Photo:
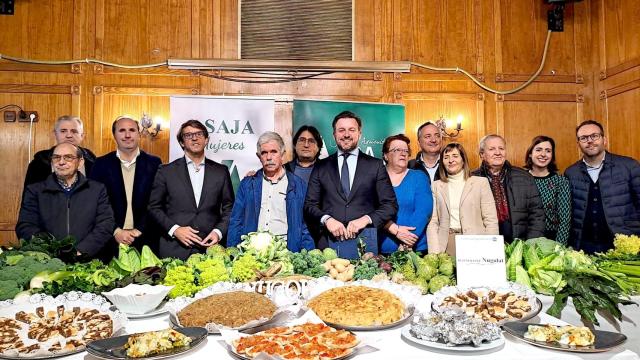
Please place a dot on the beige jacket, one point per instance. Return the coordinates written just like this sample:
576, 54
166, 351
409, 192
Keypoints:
478, 214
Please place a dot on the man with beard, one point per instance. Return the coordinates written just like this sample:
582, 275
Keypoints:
307, 143
606, 192
520, 213
349, 193
191, 197
271, 199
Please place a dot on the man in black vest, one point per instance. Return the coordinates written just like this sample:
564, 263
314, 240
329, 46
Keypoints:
606, 192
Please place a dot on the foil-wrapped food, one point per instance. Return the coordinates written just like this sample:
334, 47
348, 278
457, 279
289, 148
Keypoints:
454, 327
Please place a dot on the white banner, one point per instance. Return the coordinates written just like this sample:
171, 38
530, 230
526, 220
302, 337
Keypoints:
234, 125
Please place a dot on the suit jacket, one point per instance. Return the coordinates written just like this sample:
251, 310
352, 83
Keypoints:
478, 214
371, 194
172, 203
108, 170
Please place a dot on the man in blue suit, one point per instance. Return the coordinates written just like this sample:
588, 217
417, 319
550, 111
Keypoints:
128, 174
271, 199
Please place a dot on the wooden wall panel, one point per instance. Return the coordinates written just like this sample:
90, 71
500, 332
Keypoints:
522, 31
452, 26
37, 28
146, 31
623, 120
529, 118
422, 107
621, 36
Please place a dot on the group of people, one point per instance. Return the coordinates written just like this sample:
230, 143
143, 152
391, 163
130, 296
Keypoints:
346, 201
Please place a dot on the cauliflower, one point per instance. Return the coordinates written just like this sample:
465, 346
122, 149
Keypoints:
211, 271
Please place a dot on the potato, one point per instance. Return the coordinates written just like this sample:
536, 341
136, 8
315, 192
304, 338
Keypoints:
341, 268
344, 262
342, 277
327, 265
333, 272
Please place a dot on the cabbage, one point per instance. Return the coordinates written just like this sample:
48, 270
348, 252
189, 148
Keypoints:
522, 277
517, 249
446, 268
544, 246
438, 282
547, 282
432, 260
329, 254
530, 255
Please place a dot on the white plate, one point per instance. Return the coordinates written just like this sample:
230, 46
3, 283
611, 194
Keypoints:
161, 309
442, 346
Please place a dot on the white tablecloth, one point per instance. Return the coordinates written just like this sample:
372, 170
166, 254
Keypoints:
390, 344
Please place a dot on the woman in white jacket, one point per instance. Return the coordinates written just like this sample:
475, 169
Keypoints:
463, 204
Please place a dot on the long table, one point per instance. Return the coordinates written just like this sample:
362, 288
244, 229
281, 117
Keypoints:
389, 344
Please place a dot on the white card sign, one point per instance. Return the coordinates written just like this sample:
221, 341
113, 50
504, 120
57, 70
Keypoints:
480, 260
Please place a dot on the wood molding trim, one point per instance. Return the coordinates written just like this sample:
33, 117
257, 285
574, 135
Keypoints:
566, 79
631, 85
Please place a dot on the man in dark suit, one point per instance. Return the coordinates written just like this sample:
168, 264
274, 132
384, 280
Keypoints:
191, 198
349, 192
128, 174
428, 159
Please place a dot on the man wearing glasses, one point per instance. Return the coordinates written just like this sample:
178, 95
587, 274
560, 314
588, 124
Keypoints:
606, 192
191, 197
428, 159
68, 204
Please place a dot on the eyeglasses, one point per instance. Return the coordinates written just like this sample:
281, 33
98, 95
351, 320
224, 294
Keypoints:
401, 151
57, 158
309, 141
193, 135
592, 137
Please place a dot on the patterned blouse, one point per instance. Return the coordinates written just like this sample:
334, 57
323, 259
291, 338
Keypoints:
556, 199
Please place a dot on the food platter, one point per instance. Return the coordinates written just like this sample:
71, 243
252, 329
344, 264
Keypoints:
406, 333
213, 329
57, 327
307, 340
113, 348
407, 315
604, 340
511, 302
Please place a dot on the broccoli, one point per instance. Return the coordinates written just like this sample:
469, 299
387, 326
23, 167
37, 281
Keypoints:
367, 270
8, 289
194, 259
28, 267
408, 271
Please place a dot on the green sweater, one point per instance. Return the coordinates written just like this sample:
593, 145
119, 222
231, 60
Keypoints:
556, 200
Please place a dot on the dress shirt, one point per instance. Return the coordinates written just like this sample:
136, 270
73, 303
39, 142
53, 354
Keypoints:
273, 206
594, 171
430, 170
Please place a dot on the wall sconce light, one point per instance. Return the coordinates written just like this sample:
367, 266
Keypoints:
441, 123
147, 126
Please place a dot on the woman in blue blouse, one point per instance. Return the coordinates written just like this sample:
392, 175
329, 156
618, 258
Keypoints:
415, 202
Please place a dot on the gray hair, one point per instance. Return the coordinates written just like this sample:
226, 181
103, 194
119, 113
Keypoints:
483, 141
270, 136
62, 118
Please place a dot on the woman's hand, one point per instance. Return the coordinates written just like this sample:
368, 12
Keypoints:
403, 233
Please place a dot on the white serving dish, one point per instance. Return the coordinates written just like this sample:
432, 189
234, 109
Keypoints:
137, 299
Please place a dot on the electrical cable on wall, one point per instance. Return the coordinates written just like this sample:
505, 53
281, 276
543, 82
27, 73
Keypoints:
298, 78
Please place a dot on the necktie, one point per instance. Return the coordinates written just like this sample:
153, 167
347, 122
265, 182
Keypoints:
344, 175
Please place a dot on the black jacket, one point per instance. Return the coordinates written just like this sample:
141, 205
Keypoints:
84, 214
40, 167
108, 170
172, 203
620, 191
418, 164
525, 206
